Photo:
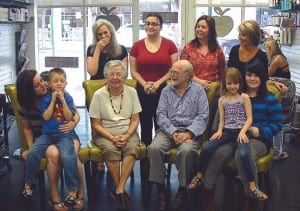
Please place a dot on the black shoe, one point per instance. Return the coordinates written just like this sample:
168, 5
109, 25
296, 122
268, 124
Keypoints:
121, 201
128, 199
179, 200
162, 202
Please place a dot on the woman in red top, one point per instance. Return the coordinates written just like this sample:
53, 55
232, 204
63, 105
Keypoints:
204, 53
150, 61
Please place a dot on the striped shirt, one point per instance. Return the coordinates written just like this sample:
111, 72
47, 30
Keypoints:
267, 117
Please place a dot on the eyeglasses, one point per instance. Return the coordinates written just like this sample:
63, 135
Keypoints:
151, 24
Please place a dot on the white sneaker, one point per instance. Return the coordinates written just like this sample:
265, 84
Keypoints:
280, 156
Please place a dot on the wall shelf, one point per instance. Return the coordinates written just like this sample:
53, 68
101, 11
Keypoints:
19, 4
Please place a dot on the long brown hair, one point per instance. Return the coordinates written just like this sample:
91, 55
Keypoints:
212, 35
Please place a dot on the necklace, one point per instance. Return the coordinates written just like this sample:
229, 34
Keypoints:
112, 105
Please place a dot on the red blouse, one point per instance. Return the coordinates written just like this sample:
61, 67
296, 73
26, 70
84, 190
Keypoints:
209, 67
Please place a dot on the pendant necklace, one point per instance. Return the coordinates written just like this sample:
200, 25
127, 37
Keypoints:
112, 105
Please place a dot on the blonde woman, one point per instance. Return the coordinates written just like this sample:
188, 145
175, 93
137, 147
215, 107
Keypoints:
248, 51
278, 64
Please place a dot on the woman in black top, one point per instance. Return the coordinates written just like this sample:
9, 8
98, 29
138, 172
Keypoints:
105, 47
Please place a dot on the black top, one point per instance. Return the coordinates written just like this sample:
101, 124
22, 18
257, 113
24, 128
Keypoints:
104, 58
234, 59
281, 72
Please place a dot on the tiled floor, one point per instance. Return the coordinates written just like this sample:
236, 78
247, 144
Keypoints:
285, 177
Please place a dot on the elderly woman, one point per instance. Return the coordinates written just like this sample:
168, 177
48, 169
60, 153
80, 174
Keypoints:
114, 111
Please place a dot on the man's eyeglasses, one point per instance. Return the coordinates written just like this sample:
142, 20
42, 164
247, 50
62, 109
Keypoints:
151, 24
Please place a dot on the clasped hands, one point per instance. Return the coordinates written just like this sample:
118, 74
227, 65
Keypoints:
58, 94
151, 87
120, 140
182, 137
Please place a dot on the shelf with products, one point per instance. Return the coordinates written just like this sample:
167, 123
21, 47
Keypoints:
14, 11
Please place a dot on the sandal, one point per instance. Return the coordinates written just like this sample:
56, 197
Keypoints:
258, 194
27, 192
70, 201
195, 183
79, 203
57, 206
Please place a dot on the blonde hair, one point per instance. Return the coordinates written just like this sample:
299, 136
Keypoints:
235, 75
273, 48
250, 28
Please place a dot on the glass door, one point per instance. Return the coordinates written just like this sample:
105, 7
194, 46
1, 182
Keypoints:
60, 44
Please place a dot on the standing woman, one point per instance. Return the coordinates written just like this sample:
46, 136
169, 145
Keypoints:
150, 61
248, 51
30, 89
278, 64
105, 47
204, 53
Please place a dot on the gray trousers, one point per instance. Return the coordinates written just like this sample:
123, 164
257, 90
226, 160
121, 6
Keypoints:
224, 153
185, 158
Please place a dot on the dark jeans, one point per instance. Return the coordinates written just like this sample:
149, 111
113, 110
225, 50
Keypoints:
229, 135
148, 115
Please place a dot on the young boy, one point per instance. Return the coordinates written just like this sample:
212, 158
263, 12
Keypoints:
56, 107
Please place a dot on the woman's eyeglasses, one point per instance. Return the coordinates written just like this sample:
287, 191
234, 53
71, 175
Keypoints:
151, 24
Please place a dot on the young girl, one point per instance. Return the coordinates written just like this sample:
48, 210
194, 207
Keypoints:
235, 119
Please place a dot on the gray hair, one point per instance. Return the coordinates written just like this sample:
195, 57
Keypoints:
114, 48
115, 63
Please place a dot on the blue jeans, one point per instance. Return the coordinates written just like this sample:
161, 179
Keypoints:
228, 136
68, 158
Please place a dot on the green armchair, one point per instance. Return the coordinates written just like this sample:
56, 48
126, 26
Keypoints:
83, 154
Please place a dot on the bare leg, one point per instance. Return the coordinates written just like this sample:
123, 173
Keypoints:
114, 170
53, 167
126, 168
80, 189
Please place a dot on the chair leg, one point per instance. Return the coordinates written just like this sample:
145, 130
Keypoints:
88, 181
42, 189
144, 173
169, 173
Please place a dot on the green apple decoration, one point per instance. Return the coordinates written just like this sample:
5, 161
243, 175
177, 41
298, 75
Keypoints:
114, 19
224, 24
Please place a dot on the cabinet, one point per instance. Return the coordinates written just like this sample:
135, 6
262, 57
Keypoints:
14, 11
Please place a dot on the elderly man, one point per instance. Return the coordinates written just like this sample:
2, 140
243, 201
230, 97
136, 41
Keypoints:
182, 115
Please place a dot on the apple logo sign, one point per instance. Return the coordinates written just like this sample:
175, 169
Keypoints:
224, 24
114, 19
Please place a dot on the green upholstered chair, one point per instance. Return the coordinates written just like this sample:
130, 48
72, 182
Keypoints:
90, 86
264, 163
211, 97
83, 154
